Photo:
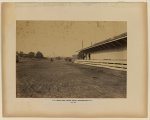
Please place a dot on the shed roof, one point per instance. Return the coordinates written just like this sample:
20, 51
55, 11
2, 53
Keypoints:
117, 40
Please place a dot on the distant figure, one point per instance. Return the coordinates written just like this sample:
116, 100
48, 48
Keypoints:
51, 59
89, 56
84, 56
17, 58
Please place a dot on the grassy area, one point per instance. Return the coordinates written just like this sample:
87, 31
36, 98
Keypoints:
60, 79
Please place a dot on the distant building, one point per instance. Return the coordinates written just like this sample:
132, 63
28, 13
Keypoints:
74, 57
110, 53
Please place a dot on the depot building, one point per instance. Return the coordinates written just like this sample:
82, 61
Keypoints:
110, 53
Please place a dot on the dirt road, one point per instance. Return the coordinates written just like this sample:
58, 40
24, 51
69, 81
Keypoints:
60, 79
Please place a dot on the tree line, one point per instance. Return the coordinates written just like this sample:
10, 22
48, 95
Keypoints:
30, 54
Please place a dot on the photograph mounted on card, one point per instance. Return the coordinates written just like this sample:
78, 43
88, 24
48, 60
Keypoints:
72, 56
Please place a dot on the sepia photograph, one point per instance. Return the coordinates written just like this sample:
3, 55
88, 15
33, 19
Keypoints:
74, 60
71, 59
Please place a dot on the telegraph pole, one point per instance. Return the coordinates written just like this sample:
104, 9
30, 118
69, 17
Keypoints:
82, 44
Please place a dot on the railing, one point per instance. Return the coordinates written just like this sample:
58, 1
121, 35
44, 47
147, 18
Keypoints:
109, 63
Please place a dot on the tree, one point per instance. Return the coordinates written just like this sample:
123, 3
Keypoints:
17, 53
21, 54
31, 54
39, 55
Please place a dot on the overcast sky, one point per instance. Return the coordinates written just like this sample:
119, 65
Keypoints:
63, 38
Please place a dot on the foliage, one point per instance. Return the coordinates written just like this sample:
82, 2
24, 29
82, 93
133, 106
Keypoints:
39, 55
31, 54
